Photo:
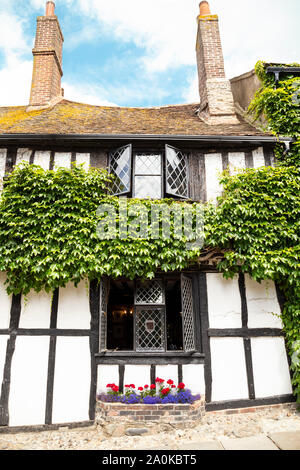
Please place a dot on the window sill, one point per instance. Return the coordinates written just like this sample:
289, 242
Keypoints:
132, 357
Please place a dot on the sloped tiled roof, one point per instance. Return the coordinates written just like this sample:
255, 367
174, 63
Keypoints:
67, 117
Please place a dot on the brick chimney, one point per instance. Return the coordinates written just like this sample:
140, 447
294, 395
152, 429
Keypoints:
47, 61
216, 100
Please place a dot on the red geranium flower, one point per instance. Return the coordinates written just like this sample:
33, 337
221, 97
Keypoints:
173, 386
146, 386
165, 391
108, 386
181, 385
127, 386
153, 387
141, 389
170, 382
132, 386
115, 389
160, 381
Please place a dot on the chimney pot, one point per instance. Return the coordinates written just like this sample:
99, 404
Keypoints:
50, 9
204, 9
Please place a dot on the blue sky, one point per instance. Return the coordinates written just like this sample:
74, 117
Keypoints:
141, 52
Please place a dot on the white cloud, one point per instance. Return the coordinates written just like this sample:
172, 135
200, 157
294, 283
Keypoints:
15, 75
191, 93
87, 94
165, 29
250, 30
12, 40
15, 80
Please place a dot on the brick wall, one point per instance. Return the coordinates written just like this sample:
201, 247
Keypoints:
47, 61
180, 414
216, 100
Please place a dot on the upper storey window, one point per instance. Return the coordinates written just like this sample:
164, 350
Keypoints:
149, 175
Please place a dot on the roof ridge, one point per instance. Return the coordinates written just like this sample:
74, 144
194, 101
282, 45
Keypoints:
130, 107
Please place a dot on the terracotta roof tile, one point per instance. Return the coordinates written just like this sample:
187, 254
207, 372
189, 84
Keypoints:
68, 117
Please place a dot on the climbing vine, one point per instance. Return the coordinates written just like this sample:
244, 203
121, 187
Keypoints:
257, 221
279, 104
48, 223
48, 232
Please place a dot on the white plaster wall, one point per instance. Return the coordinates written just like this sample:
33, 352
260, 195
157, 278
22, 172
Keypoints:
83, 158
3, 345
139, 375
213, 169
62, 160
270, 367
229, 378
193, 378
42, 158
258, 158
3, 153
107, 374
28, 388
23, 155
263, 306
236, 162
74, 307
5, 303
224, 301
168, 372
72, 380
36, 310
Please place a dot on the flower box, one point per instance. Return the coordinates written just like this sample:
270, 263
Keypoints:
149, 406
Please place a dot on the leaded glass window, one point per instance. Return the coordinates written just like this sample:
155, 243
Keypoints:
187, 313
147, 316
147, 176
150, 175
150, 329
104, 290
120, 168
176, 172
149, 293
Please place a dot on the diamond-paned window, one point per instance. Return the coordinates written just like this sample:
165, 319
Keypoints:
187, 313
150, 329
104, 290
147, 176
149, 293
148, 164
176, 172
148, 316
120, 168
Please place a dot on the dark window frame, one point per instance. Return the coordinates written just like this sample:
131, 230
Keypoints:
165, 194
149, 353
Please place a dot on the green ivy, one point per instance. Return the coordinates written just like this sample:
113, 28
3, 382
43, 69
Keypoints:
48, 222
48, 232
279, 106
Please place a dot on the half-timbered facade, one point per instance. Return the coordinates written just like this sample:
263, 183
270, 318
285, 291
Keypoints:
221, 337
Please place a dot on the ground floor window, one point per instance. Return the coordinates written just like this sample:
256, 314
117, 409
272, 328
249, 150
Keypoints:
149, 316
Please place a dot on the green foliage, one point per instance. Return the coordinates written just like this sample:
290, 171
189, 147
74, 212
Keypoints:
277, 205
280, 106
258, 222
48, 222
48, 234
